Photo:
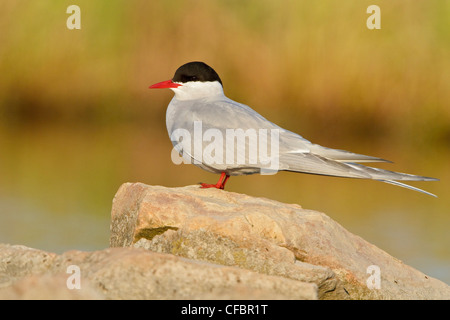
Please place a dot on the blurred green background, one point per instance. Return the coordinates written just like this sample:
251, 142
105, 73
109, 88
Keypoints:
77, 119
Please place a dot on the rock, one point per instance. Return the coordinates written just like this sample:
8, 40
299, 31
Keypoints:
48, 287
205, 246
192, 243
131, 273
16, 262
265, 236
27, 273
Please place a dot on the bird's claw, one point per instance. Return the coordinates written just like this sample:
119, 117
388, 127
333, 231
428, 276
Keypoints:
208, 185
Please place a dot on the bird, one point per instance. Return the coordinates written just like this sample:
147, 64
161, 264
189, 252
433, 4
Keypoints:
199, 116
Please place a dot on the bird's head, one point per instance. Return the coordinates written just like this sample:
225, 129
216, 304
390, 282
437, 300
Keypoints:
193, 80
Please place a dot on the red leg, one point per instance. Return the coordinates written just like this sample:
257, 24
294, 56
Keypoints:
219, 185
225, 181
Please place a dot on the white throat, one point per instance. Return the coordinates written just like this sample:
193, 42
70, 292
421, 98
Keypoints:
197, 89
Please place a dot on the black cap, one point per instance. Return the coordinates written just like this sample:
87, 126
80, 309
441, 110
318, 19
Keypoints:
195, 71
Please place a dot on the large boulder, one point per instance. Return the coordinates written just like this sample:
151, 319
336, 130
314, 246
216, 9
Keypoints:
265, 236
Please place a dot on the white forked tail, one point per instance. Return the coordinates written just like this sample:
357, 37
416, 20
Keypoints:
396, 183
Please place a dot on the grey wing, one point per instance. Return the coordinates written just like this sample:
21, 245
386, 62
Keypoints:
293, 152
226, 118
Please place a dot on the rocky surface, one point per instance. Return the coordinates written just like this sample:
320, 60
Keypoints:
264, 236
192, 243
130, 273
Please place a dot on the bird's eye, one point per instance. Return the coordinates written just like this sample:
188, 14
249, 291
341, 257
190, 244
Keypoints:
193, 78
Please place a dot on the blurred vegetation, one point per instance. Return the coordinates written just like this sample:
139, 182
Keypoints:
310, 66
77, 118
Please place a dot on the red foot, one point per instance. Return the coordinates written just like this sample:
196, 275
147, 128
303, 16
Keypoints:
219, 185
208, 185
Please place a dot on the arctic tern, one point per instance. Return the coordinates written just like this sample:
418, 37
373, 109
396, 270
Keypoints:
200, 103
